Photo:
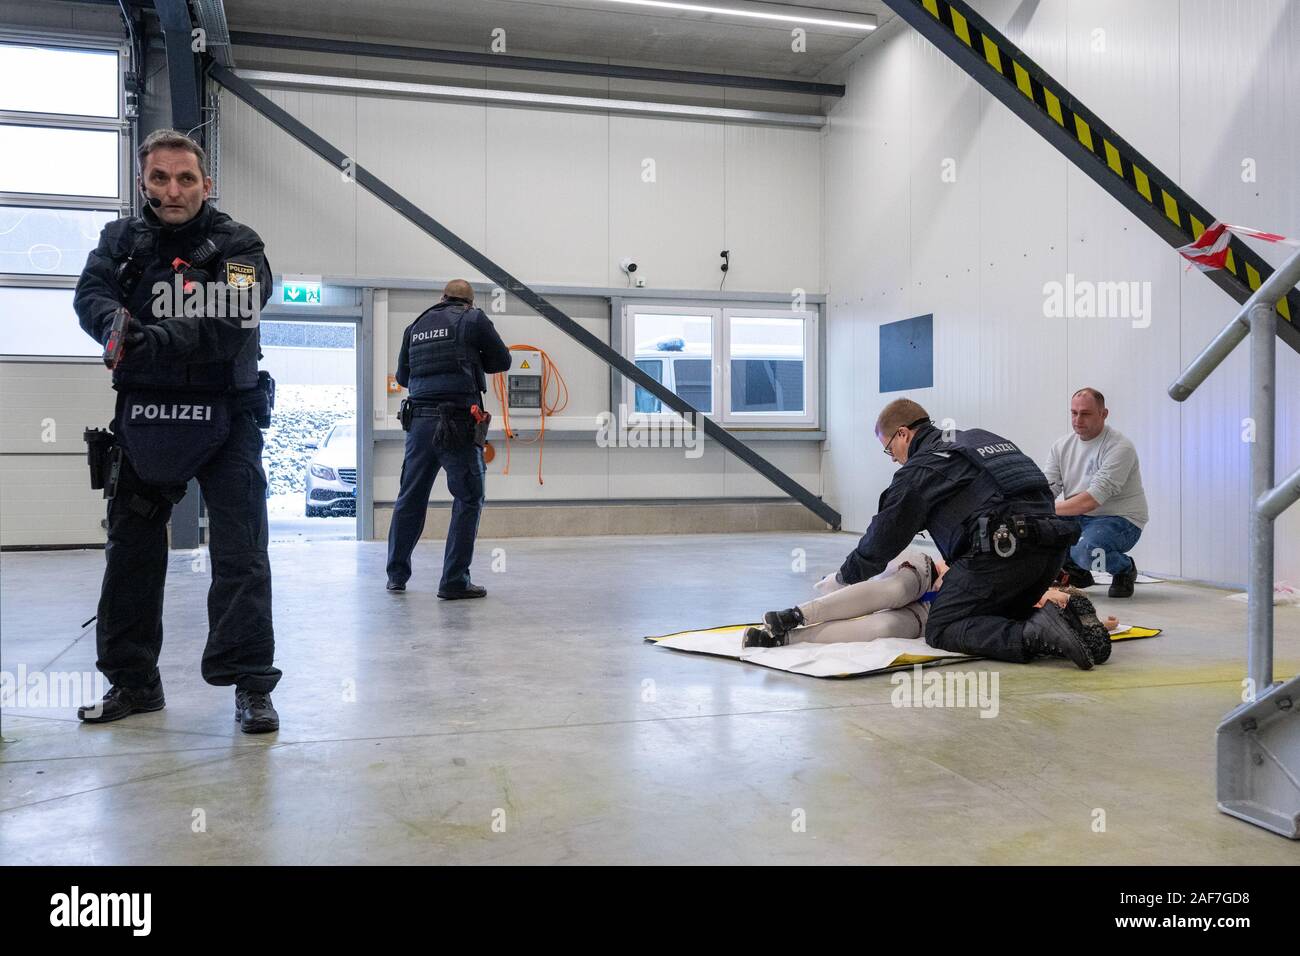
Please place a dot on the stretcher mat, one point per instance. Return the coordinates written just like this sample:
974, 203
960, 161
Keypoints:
858, 659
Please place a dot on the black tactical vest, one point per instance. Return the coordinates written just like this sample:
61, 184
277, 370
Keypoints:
441, 364
145, 256
1005, 480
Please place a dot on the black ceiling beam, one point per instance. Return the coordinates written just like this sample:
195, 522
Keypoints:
182, 64
503, 61
426, 223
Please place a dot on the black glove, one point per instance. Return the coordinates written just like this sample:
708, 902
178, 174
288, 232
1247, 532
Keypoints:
143, 344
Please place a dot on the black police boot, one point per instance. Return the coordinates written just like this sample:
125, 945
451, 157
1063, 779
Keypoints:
1077, 577
122, 702
780, 623
1095, 636
472, 591
255, 713
761, 637
1121, 585
396, 586
1051, 633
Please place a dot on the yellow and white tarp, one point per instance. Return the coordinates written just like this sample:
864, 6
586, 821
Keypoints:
857, 659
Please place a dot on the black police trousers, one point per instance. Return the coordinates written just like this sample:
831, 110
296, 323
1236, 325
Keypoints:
465, 480
984, 601
241, 645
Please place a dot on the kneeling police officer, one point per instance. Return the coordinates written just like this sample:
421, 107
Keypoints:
990, 511
445, 355
174, 296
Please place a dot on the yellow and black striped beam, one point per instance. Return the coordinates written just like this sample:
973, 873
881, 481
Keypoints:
1004, 70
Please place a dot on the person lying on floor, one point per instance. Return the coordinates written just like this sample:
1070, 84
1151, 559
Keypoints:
895, 603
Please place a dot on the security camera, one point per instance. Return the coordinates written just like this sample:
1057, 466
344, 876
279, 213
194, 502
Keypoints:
627, 264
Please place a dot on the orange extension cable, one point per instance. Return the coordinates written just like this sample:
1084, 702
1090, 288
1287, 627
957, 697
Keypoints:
552, 381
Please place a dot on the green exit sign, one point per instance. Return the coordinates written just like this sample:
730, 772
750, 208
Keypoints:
296, 292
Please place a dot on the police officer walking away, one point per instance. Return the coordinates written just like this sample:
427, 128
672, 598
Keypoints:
174, 296
445, 355
990, 512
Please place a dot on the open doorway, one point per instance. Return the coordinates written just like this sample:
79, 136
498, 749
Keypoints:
310, 450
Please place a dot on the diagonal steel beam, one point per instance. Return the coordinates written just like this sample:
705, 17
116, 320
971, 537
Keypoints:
1096, 149
400, 204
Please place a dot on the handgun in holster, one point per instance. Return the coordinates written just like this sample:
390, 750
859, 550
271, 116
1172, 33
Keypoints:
482, 419
104, 456
115, 347
266, 386
405, 413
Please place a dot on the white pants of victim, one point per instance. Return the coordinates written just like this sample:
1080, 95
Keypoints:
887, 605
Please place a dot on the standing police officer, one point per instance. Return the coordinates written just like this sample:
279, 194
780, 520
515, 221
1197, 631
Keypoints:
990, 512
189, 399
445, 355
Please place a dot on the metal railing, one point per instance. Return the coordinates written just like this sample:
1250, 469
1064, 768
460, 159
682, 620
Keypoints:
1258, 749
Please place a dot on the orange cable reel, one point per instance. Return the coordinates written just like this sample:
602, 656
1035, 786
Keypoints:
555, 398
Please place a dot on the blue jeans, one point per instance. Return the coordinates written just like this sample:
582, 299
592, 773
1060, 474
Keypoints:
1109, 533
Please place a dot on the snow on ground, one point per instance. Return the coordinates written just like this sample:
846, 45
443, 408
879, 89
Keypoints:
303, 413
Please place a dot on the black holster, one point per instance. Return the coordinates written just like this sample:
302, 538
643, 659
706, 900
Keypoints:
454, 427
100, 445
405, 414
266, 393
481, 428
1004, 535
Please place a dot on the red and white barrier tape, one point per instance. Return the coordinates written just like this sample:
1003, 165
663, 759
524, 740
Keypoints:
1210, 251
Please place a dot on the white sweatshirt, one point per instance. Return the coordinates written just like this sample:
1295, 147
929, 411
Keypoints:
1106, 467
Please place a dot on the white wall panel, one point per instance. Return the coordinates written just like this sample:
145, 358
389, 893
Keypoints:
672, 225
305, 211
47, 499
45, 406
773, 209
800, 460
547, 184
432, 153
1198, 86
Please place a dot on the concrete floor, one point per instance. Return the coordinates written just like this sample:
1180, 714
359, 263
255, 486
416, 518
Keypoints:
540, 712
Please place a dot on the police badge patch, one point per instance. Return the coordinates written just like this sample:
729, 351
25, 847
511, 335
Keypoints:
239, 275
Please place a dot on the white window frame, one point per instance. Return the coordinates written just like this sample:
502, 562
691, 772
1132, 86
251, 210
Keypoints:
721, 315
806, 418
119, 204
630, 311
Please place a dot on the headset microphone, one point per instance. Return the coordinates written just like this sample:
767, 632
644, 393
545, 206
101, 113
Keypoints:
153, 201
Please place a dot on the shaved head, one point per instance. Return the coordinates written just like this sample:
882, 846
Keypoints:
459, 289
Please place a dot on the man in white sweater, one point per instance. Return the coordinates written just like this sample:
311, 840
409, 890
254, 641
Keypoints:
1095, 474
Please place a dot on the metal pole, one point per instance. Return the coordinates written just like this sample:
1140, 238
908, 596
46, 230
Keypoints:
1263, 409
1280, 498
1228, 339
1272, 290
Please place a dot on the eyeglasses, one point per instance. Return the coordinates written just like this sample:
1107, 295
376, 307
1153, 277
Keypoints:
889, 454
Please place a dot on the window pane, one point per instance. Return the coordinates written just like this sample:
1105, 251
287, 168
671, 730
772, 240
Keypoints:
341, 435
645, 402
687, 342
767, 364
695, 381
48, 241
41, 322
43, 159
47, 80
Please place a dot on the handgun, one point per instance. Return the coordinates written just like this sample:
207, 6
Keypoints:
482, 418
116, 345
